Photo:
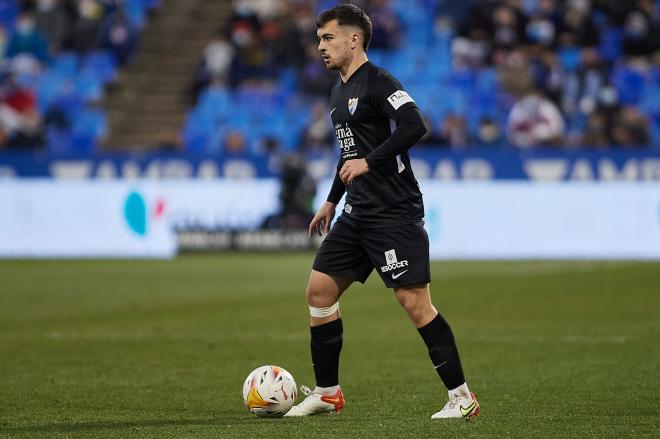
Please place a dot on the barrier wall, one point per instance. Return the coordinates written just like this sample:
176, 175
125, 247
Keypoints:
51, 218
473, 164
512, 220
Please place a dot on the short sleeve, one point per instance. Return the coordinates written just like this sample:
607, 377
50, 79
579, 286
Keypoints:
391, 98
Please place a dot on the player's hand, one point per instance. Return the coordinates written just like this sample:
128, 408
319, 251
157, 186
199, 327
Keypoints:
321, 221
353, 169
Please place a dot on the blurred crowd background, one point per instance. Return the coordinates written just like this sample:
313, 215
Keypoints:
564, 74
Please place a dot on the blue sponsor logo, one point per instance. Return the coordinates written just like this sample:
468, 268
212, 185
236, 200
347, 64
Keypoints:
135, 213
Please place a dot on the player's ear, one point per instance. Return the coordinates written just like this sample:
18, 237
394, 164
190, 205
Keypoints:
355, 40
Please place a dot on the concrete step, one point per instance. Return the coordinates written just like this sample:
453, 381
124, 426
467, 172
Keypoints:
152, 94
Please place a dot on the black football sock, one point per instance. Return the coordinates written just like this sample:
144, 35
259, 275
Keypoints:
326, 343
443, 352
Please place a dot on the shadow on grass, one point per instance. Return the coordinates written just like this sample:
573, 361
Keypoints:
72, 427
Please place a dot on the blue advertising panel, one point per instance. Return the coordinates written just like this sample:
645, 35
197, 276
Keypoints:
428, 163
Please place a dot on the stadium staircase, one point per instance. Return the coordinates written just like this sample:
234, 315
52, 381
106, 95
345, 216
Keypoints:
150, 98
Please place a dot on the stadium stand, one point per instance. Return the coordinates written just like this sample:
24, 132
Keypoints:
62, 56
573, 74
512, 73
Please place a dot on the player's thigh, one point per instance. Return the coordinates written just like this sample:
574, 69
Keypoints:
400, 254
324, 290
342, 256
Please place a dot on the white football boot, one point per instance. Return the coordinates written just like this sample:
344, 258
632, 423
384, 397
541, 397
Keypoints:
459, 406
316, 403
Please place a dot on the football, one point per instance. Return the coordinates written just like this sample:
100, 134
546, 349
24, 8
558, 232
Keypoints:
269, 391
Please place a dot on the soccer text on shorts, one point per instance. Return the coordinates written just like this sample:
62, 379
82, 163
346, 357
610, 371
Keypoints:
392, 262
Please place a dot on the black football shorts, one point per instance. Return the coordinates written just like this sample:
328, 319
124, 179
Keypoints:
400, 254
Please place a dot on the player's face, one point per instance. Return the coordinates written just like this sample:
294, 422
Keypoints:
335, 45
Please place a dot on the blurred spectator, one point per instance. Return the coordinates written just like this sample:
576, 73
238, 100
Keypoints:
118, 35
251, 63
386, 27
577, 27
549, 75
454, 131
52, 21
535, 121
259, 8
543, 27
235, 144
630, 129
318, 135
315, 79
20, 122
641, 30
169, 140
283, 37
515, 74
217, 57
4, 41
595, 134
27, 49
298, 189
582, 87
215, 65
508, 26
451, 131
432, 136
453, 12
488, 135
470, 52
88, 25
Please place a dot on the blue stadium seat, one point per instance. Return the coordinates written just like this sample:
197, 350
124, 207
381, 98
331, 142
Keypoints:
611, 42
89, 86
136, 10
48, 88
629, 83
102, 64
89, 127
8, 13
214, 102
65, 64
58, 141
655, 135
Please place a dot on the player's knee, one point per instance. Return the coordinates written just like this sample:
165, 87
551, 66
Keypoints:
415, 303
318, 297
409, 302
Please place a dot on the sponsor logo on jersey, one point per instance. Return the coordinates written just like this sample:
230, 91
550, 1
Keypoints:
392, 263
345, 138
398, 98
348, 208
352, 105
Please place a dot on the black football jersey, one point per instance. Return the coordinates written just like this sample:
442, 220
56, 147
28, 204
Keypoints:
364, 112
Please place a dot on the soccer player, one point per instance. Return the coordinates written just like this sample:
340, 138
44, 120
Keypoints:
376, 122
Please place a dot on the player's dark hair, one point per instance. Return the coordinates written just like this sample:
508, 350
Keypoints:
348, 15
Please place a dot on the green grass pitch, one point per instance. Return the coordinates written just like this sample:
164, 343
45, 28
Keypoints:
161, 349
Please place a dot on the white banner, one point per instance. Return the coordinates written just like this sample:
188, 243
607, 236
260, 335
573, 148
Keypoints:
123, 218
521, 220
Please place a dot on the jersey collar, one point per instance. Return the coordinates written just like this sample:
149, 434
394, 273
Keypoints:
354, 74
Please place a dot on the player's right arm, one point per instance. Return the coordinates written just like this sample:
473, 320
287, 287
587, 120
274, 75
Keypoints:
321, 221
324, 216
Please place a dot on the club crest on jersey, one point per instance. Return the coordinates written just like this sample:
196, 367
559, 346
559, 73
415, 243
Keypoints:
352, 105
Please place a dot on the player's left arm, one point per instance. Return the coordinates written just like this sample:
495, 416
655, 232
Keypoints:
399, 106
